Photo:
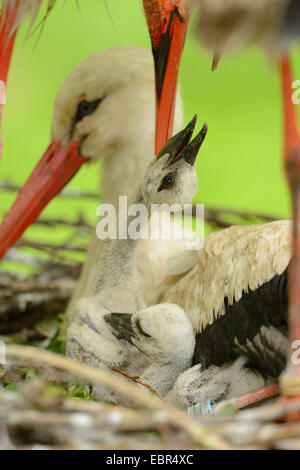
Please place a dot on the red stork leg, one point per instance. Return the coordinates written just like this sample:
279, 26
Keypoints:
247, 399
290, 379
167, 22
7, 39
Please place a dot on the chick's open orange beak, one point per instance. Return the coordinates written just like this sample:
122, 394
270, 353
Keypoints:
57, 166
167, 22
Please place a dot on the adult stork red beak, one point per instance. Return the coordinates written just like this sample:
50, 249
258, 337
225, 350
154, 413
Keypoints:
7, 39
57, 166
55, 169
167, 22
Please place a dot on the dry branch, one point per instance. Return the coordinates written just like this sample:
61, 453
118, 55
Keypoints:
61, 422
197, 432
137, 380
66, 193
24, 301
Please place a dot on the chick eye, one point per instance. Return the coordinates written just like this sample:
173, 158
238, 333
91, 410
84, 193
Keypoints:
168, 181
85, 108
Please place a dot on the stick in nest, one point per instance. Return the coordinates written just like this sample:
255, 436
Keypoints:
138, 380
194, 429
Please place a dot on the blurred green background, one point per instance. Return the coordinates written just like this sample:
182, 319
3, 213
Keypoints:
240, 164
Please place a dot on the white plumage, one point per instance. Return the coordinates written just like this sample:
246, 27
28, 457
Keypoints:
231, 262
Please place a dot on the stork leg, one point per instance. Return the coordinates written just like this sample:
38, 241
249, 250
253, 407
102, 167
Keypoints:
7, 40
290, 379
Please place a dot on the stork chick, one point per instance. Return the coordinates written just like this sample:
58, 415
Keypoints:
170, 179
164, 334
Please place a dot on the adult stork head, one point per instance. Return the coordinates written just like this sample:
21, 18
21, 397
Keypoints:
167, 22
106, 104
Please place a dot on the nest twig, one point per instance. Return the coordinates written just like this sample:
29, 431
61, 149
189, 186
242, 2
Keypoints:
192, 429
33, 416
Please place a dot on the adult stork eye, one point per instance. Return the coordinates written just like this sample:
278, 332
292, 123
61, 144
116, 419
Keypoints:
168, 181
86, 108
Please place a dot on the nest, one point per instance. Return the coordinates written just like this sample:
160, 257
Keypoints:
38, 407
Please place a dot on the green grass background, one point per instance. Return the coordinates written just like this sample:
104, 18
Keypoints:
240, 164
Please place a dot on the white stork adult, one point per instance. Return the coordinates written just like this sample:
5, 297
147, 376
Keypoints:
167, 28
104, 110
